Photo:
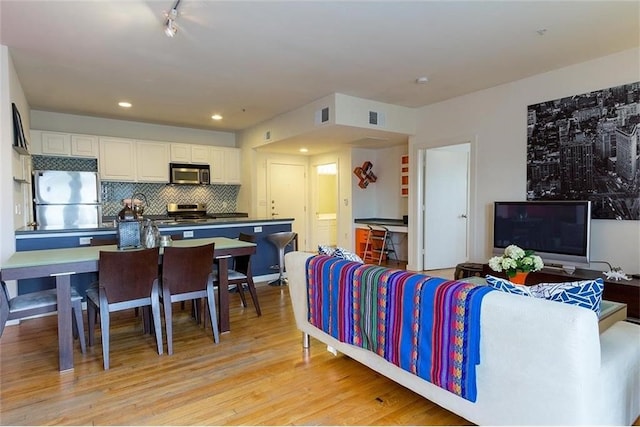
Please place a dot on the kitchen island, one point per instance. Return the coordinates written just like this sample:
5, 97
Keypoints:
30, 238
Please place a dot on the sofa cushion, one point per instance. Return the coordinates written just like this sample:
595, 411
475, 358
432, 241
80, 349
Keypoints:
583, 293
507, 286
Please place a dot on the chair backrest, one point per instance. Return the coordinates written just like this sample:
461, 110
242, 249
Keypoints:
243, 262
187, 269
128, 275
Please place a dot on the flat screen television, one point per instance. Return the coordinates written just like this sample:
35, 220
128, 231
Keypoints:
558, 231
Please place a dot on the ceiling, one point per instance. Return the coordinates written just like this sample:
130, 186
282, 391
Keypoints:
253, 60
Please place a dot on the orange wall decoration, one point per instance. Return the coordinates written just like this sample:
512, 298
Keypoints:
365, 174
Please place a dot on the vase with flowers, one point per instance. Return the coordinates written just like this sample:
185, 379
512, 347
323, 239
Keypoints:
516, 263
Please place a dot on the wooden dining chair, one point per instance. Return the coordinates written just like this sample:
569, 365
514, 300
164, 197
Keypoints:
187, 275
126, 279
40, 302
240, 274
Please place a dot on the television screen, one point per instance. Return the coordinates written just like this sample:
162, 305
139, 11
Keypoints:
558, 231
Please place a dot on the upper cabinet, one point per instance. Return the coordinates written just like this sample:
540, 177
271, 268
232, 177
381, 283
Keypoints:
201, 154
64, 144
84, 146
180, 153
129, 160
225, 165
190, 153
117, 159
152, 161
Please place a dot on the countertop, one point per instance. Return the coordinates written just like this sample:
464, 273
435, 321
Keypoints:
391, 224
380, 221
109, 225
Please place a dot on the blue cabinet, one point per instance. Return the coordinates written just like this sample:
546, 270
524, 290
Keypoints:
266, 254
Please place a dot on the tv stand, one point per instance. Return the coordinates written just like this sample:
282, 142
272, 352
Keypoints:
625, 291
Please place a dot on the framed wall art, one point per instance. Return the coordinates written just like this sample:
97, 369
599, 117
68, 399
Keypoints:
585, 147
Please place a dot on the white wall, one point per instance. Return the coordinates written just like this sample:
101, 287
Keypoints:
381, 199
45, 120
496, 117
10, 191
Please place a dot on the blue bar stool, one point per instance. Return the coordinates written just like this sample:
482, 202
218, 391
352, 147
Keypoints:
280, 241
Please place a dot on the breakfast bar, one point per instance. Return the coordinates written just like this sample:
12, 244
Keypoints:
66, 262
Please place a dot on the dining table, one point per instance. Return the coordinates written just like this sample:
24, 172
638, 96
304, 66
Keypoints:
64, 263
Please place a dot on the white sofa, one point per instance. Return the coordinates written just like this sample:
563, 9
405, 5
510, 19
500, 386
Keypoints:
542, 362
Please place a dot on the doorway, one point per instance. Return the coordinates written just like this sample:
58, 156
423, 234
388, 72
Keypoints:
324, 192
287, 196
446, 205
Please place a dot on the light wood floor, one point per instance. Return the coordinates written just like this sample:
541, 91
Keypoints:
257, 375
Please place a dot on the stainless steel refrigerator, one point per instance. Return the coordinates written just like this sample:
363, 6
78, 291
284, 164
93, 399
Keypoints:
64, 199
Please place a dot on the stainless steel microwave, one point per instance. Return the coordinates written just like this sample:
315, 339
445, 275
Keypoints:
180, 173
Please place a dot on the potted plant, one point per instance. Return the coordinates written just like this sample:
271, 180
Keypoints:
516, 263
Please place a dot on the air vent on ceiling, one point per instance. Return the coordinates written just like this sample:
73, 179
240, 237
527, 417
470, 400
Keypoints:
322, 116
376, 118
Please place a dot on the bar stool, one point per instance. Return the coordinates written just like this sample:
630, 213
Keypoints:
280, 241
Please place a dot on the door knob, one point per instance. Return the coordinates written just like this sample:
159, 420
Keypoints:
463, 216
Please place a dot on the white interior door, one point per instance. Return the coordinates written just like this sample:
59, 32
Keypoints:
446, 196
324, 191
287, 196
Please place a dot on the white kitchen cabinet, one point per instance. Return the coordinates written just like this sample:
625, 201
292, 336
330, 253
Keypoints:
48, 143
55, 144
225, 165
217, 165
201, 154
117, 159
84, 146
180, 153
232, 165
152, 161
190, 153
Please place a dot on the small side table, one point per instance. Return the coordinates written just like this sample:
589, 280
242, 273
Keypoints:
610, 313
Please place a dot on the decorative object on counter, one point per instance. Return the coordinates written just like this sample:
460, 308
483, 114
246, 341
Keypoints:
616, 273
129, 226
150, 234
516, 263
365, 174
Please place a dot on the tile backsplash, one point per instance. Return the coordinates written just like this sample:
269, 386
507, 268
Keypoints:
219, 198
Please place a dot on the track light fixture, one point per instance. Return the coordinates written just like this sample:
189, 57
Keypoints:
170, 28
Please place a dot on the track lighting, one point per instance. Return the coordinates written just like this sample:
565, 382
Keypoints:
170, 28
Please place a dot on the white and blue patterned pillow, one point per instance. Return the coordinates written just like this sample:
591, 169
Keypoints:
348, 255
507, 286
583, 293
326, 250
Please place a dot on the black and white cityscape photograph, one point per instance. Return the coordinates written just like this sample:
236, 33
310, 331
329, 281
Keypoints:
585, 147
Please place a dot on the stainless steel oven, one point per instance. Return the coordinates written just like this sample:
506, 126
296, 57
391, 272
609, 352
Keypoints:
180, 173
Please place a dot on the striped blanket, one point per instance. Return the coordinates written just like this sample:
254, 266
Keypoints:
428, 326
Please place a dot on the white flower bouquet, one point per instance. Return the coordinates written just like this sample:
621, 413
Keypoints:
516, 260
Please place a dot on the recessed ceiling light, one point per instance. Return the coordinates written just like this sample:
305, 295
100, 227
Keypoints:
422, 80
304, 150
124, 104
216, 117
